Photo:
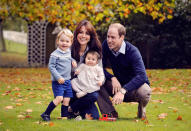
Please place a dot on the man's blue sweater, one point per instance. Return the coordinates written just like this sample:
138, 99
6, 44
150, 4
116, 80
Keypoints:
128, 68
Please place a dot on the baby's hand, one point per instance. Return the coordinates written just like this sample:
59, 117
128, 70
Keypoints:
61, 81
74, 64
80, 94
99, 83
76, 72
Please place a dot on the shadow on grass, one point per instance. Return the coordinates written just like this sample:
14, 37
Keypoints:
127, 119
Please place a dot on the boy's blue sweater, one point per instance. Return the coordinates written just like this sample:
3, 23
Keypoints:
128, 68
60, 64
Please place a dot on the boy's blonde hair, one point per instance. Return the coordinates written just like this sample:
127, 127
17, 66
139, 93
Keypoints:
66, 32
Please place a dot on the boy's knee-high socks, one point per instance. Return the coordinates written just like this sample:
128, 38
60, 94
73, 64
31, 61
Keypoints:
50, 108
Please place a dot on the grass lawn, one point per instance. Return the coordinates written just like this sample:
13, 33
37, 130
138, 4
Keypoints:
25, 93
15, 56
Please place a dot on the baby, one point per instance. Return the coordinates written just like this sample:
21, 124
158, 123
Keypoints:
90, 76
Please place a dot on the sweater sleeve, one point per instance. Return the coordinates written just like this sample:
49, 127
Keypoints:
105, 51
81, 67
100, 74
52, 67
140, 74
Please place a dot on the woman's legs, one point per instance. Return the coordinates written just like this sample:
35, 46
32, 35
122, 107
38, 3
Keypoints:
86, 105
91, 110
84, 102
64, 107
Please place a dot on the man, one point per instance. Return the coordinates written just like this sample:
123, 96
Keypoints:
129, 82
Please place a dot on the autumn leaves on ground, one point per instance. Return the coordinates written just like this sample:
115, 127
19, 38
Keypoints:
25, 93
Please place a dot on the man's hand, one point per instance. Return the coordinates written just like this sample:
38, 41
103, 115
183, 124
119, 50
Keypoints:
61, 81
116, 85
118, 98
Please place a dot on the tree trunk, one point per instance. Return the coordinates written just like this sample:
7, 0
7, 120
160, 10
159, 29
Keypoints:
2, 41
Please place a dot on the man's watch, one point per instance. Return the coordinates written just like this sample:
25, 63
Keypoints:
123, 91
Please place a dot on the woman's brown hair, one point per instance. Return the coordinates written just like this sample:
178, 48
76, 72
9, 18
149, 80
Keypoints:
94, 42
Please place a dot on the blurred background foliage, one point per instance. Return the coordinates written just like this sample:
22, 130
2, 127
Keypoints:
161, 29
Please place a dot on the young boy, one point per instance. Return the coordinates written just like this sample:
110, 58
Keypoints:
60, 67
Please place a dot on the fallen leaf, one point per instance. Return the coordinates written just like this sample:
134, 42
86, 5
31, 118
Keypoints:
173, 88
37, 122
21, 116
150, 125
62, 118
19, 104
27, 116
31, 93
16, 94
44, 123
8, 86
29, 110
18, 100
143, 118
39, 102
88, 116
174, 109
162, 115
146, 122
9, 107
16, 89
158, 101
1, 123
51, 124
33, 96
59, 118
179, 118
7, 92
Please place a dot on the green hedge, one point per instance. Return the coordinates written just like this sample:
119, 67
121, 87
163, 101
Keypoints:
166, 45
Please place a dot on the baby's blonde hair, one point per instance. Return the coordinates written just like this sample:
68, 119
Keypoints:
66, 32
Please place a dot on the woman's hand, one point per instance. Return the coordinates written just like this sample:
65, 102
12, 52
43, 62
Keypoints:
74, 64
116, 85
61, 81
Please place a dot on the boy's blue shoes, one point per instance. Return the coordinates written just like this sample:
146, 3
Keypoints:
45, 117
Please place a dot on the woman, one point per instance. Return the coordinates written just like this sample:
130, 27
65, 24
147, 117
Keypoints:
85, 38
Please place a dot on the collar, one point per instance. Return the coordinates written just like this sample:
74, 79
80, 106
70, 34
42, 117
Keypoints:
121, 50
67, 50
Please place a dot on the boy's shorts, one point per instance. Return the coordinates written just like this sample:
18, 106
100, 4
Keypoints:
64, 90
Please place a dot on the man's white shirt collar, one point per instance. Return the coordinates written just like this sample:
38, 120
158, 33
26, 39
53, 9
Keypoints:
121, 50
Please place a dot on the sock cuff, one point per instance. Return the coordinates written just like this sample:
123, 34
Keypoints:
52, 104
